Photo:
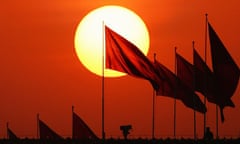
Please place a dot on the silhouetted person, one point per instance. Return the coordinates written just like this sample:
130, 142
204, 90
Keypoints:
208, 134
125, 130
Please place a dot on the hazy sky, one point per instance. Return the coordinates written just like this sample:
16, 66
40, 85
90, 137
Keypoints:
40, 72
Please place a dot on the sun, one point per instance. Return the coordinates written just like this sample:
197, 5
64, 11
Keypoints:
89, 35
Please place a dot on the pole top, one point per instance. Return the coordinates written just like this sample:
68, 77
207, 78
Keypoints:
72, 108
206, 16
193, 44
154, 56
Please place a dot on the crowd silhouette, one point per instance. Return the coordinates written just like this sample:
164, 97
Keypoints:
120, 141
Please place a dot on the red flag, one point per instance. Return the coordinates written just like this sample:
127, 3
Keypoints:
46, 132
123, 56
225, 70
224, 67
185, 71
198, 76
173, 87
206, 83
11, 135
204, 79
80, 129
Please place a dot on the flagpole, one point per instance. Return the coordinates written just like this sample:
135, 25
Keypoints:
206, 62
174, 119
103, 62
194, 111
216, 108
205, 57
7, 131
38, 126
216, 121
72, 121
153, 114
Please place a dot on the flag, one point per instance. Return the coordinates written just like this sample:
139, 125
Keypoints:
204, 78
80, 129
123, 56
185, 71
225, 70
198, 76
224, 67
207, 84
46, 132
11, 135
173, 87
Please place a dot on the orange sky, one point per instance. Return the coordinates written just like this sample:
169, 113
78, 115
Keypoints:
40, 72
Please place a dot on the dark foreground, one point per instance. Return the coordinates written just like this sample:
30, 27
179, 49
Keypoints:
118, 141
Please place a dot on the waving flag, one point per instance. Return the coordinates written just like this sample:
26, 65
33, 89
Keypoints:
224, 67
204, 78
123, 56
210, 87
46, 132
185, 71
173, 87
225, 70
11, 135
201, 79
198, 76
80, 129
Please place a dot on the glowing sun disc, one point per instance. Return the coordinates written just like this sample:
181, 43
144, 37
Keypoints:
89, 36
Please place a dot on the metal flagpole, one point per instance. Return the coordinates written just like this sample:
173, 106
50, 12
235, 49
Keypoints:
153, 114
7, 131
205, 81
205, 57
72, 122
174, 119
103, 66
38, 136
194, 111
216, 121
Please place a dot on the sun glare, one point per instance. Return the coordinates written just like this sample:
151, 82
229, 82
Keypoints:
89, 36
